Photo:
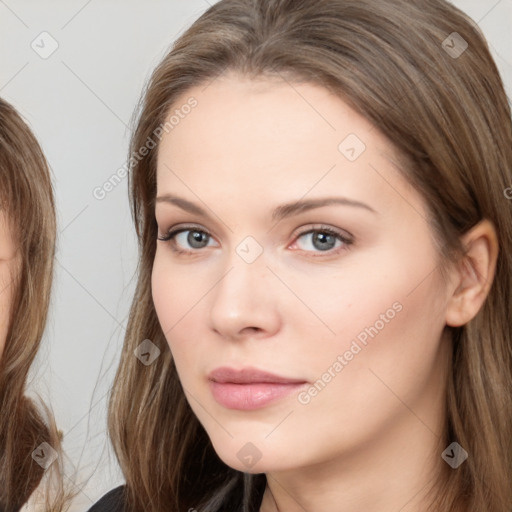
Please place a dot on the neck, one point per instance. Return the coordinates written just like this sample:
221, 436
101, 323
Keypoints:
394, 471
394, 475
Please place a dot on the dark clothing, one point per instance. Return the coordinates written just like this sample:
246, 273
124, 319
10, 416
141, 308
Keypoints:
111, 502
114, 501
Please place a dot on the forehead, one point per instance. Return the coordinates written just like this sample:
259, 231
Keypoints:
260, 124
256, 140
264, 110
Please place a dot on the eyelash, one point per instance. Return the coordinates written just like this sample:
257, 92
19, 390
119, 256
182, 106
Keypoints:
171, 234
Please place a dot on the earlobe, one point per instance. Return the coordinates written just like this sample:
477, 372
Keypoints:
475, 274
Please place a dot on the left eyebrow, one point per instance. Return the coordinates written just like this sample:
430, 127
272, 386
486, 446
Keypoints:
279, 213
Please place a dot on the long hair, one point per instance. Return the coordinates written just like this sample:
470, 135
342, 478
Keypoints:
399, 64
26, 200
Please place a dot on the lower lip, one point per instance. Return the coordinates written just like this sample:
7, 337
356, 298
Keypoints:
246, 397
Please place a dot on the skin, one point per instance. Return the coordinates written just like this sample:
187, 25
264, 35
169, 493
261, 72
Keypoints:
371, 438
8, 261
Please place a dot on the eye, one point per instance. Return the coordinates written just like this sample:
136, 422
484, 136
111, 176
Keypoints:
187, 235
321, 239
324, 239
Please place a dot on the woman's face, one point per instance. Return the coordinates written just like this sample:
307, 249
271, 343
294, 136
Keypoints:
7, 263
354, 315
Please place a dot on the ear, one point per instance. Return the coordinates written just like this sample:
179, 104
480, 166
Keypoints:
474, 274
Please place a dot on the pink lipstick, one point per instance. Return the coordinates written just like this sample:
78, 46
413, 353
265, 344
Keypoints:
250, 388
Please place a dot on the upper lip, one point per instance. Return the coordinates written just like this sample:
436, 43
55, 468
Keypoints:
248, 375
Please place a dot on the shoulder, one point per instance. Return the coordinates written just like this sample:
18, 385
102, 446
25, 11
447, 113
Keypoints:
113, 501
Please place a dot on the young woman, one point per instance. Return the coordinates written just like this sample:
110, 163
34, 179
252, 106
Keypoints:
322, 316
27, 245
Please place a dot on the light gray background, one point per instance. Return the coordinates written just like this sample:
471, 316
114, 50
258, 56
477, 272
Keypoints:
79, 102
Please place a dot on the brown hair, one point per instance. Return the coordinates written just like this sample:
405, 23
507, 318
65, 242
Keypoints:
26, 197
449, 117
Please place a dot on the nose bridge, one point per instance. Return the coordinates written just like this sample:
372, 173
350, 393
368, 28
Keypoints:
245, 273
241, 298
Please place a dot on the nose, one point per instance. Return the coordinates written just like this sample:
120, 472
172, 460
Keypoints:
244, 303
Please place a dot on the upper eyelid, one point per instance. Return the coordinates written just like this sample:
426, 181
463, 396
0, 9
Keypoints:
315, 226
177, 229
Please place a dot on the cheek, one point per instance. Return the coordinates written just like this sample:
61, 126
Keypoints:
387, 344
384, 308
177, 295
366, 298
165, 289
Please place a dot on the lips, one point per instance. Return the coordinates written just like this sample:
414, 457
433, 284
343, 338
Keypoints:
249, 388
248, 375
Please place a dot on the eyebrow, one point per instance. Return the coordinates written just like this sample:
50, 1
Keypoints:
279, 213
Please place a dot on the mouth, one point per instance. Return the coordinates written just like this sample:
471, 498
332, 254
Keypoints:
250, 388
248, 375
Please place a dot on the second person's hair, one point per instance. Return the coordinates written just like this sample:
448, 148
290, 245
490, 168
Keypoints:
26, 199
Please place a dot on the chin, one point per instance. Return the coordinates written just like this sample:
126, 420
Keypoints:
250, 457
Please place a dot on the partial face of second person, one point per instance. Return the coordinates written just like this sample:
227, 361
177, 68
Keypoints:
8, 266
248, 147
